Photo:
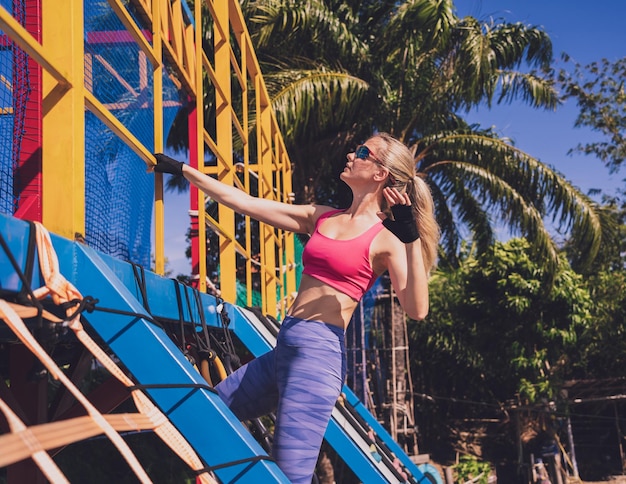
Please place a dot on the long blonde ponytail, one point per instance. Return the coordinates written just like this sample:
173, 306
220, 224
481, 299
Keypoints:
399, 160
424, 209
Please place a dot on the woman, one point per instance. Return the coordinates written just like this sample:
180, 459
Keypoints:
302, 377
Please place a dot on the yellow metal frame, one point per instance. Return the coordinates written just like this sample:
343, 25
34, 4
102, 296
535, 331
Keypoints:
235, 71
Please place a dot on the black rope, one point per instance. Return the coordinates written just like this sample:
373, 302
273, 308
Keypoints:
199, 386
225, 322
203, 346
140, 278
232, 463
127, 313
88, 304
181, 319
30, 263
26, 294
205, 329
231, 359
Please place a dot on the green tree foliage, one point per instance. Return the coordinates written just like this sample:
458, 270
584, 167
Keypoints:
471, 469
603, 345
498, 335
497, 332
598, 90
339, 70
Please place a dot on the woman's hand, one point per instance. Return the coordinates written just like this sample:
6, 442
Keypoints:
403, 224
165, 164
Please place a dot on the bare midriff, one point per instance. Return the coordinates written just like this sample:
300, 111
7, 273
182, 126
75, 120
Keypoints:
317, 301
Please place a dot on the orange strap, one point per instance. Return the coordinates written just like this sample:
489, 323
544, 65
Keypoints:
61, 291
24, 442
21, 437
19, 328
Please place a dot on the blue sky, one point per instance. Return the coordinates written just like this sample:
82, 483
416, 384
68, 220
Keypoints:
587, 31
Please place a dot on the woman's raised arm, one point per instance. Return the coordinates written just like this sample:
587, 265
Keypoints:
295, 218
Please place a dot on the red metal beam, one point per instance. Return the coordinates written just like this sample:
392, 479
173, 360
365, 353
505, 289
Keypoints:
28, 180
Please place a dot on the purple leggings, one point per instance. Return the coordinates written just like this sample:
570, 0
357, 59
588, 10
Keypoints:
301, 380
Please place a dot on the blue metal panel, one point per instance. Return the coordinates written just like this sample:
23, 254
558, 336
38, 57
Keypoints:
161, 295
153, 359
352, 454
247, 333
15, 235
380, 431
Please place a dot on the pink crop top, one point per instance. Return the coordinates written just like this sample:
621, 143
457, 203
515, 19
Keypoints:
342, 264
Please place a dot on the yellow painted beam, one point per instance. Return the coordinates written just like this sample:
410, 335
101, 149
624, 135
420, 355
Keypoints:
235, 67
266, 190
224, 134
63, 124
157, 92
115, 125
200, 135
28, 44
133, 29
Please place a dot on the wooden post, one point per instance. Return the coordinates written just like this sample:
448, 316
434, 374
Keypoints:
31, 394
619, 437
570, 440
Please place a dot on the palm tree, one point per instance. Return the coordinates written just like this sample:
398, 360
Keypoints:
338, 71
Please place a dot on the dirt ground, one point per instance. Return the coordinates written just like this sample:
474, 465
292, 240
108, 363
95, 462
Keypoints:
613, 480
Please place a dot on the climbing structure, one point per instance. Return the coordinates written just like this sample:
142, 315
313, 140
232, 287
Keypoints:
95, 346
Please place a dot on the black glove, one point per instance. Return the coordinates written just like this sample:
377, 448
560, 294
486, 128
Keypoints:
403, 225
165, 164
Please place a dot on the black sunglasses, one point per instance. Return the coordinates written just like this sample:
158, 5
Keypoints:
363, 153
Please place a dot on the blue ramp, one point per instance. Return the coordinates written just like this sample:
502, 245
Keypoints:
220, 440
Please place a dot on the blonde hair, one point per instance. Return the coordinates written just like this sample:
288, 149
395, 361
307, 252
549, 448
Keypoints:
399, 160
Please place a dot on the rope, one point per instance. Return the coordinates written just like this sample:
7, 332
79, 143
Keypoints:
26, 293
162, 426
65, 295
181, 321
21, 443
19, 328
232, 463
202, 340
200, 386
140, 278
25, 312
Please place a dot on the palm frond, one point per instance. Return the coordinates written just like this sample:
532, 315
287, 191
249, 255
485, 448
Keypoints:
510, 42
469, 210
178, 184
293, 24
429, 21
484, 189
532, 180
450, 234
316, 101
483, 56
530, 88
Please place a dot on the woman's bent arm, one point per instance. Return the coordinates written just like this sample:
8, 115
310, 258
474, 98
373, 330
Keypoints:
409, 279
